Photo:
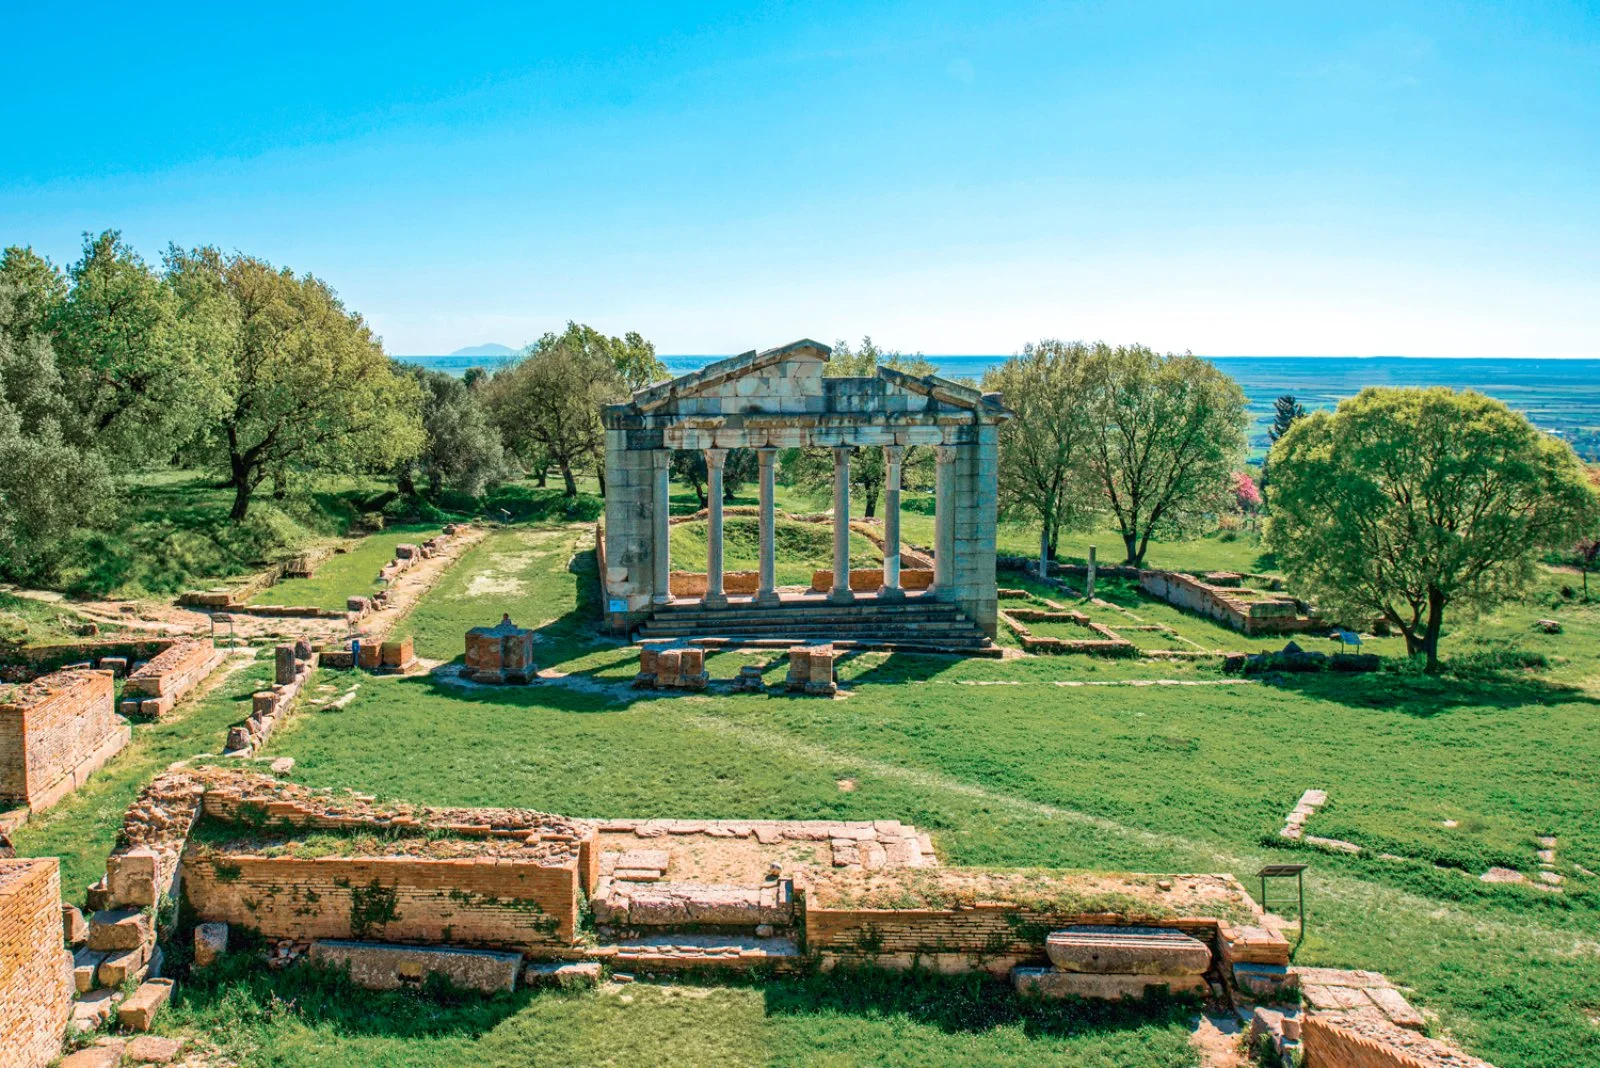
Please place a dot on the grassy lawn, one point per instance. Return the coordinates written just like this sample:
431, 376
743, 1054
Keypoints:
798, 548
1029, 762
346, 574
35, 622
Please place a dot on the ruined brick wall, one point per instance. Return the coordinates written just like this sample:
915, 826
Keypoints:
1337, 1044
868, 579
155, 688
982, 937
50, 729
35, 971
485, 901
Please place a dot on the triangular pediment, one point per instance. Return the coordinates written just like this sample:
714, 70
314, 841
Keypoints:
715, 376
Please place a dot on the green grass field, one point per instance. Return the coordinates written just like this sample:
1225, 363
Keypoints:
348, 573
1039, 761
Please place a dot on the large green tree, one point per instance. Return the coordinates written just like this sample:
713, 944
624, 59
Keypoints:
307, 388
138, 379
461, 448
1404, 503
49, 486
812, 468
1043, 451
1166, 434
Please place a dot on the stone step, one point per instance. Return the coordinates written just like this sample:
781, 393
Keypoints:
681, 952
1102, 950
786, 618
976, 645
842, 630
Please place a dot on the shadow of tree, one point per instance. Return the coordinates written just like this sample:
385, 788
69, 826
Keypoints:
1424, 696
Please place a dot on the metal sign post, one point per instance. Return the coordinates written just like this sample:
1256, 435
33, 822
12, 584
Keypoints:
1285, 871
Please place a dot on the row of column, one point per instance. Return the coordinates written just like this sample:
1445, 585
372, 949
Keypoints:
767, 593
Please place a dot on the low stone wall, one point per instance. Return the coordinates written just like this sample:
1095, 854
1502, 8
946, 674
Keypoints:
153, 690
694, 583
870, 579
1106, 641
1335, 1042
294, 663
1225, 605
497, 899
965, 920
54, 733
35, 660
35, 971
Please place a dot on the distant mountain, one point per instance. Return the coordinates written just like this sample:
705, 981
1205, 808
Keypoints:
490, 349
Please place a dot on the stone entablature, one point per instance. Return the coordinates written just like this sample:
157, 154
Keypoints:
781, 398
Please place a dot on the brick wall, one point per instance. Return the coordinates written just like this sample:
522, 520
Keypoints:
35, 971
1331, 1044
489, 901
53, 728
155, 688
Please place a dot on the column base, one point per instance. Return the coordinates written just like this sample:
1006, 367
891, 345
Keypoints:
768, 598
661, 598
842, 596
891, 593
714, 600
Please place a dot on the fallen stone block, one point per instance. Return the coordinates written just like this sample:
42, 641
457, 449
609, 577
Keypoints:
74, 928
92, 1010
1266, 982
1107, 950
381, 966
210, 942
133, 877
153, 1049
85, 969
139, 1011
107, 1056
563, 974
118, 967
1050, 983
120, 928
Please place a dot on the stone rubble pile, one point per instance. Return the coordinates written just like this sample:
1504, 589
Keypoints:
153, 689
293, 663
811, 670
671, 669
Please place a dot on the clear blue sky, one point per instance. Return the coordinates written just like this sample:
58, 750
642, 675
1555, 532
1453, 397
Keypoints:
1416, 179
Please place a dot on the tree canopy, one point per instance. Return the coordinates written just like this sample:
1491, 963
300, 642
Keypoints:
307, 387
1166, 433
1405, 502
1043, 450
461, 446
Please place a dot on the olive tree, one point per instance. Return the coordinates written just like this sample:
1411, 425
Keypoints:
1403, 503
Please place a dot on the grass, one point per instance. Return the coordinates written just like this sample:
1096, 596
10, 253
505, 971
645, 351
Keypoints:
346, 574
35, 622
1006, 767
798, 548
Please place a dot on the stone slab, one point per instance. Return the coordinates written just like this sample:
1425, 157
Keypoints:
382, 966
1050, 983
1105, 950
139, 1011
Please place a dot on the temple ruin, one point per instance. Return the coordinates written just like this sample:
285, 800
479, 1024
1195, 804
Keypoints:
778, 399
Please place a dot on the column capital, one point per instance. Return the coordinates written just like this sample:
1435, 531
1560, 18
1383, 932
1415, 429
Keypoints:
945, 454
842, 452
715, 458
894, 454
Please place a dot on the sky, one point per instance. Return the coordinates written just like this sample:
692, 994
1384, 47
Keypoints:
1232, 179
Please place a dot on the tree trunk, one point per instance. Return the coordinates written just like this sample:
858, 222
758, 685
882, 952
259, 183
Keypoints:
1430, 637
543, 477
571, 482
600, 477
1135, 554
403, 482
1044, 551
242, 487
280, 485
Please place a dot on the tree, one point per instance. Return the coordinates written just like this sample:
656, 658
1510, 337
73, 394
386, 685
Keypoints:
461, 445
1406, 502
1165, 433
812, 468
1285, 411
738, 467
139, 380
1586, 552
1042, 450
307, 388
1246, 495
548, 405
49, 487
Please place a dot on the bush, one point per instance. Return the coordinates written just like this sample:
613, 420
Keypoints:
1488, 663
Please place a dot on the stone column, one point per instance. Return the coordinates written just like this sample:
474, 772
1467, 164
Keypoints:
715, 597
661, 591
768, 592
892, 457
944, 520
1088, 585
841, 526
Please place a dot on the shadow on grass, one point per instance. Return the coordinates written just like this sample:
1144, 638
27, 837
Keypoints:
239, 995
968, 1004
1424, 696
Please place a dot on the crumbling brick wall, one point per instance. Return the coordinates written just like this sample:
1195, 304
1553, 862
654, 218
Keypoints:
54, 732
35, 971
1337, 1043
157, 686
